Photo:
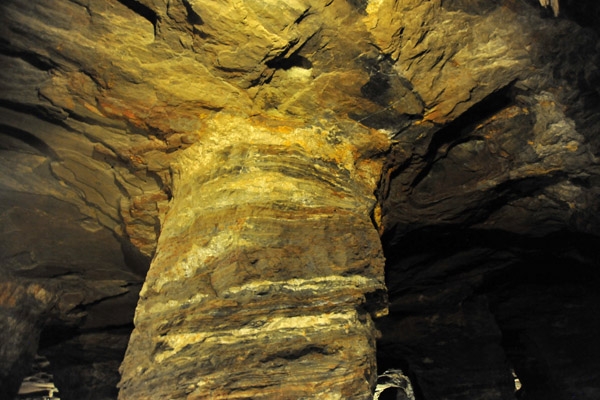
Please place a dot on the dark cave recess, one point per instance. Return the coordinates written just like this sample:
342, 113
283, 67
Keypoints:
470, 305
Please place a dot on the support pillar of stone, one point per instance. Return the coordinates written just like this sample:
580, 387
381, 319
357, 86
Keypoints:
268, 269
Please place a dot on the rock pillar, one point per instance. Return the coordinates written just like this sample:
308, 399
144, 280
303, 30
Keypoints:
268, 268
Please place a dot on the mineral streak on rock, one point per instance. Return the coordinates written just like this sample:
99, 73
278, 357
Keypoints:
240, 146
263, 264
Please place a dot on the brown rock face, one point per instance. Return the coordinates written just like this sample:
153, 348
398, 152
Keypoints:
490, 222
269, 283
311, 192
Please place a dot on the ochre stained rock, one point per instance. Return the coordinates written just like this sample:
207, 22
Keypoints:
264, 265
257, 164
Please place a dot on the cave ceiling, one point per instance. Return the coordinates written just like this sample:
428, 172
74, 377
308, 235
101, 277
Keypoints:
423, 174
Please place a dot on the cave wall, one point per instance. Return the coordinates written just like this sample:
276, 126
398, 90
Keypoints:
255, 164
490, 227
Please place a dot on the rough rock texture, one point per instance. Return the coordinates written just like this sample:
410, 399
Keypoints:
260, 293
490, 224
266, 156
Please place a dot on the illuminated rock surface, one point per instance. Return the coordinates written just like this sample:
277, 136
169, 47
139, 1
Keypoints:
282, 175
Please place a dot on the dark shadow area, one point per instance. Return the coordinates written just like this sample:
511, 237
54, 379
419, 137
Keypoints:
85, 362
399, 104
28, 139
285, 63
467, 306
585, 12
142, 10
450, 135
192, 16
36, 60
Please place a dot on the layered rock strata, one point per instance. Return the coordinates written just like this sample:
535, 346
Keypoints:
263, 267
253, 149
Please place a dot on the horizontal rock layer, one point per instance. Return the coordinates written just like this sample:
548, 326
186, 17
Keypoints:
259, 285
